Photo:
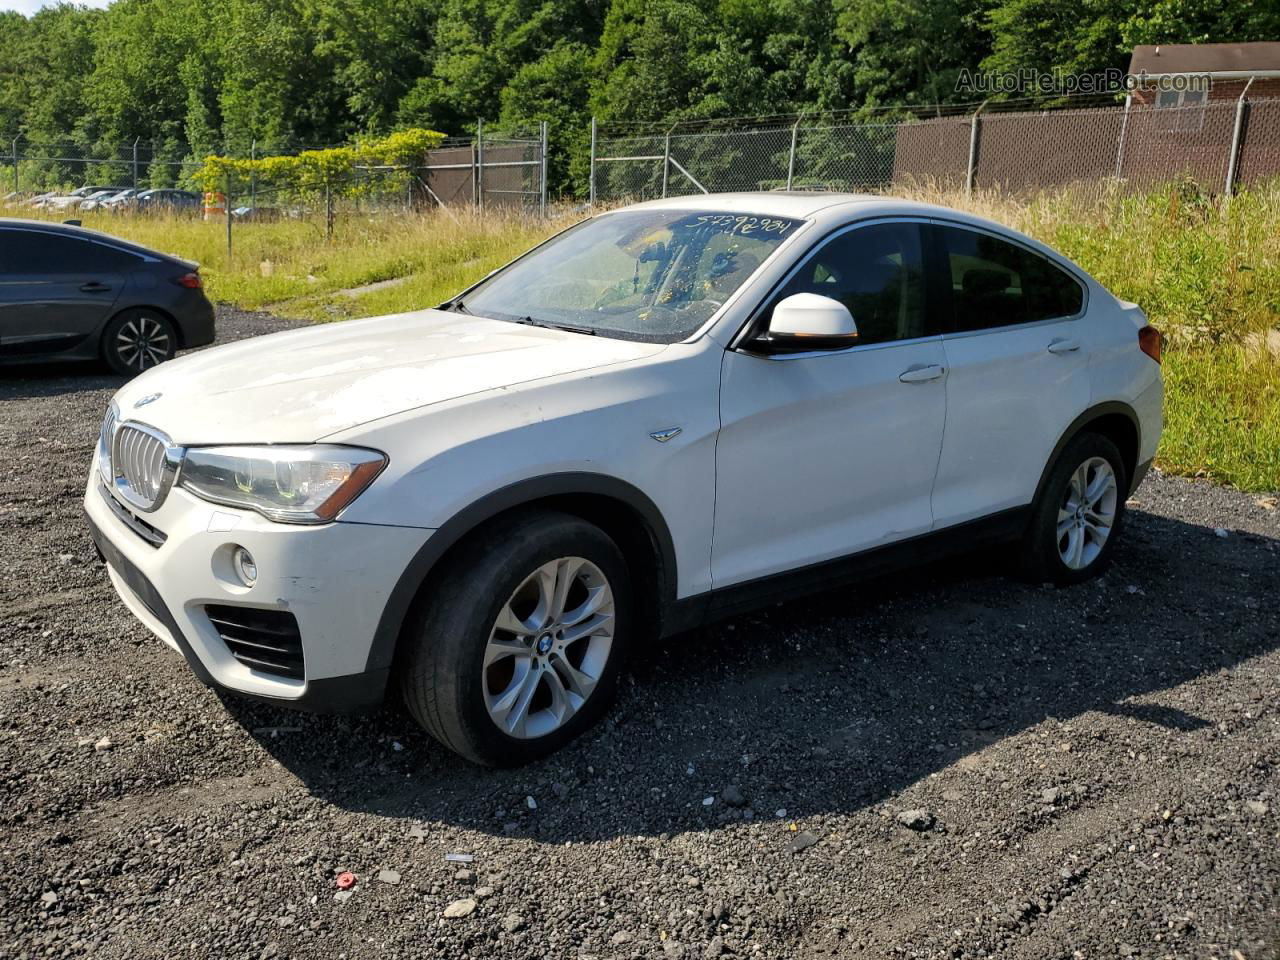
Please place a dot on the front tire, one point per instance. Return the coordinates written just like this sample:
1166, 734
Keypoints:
516, 648
1075, 523
137, 340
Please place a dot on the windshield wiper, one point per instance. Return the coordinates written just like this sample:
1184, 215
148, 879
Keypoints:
548, 325
457, 306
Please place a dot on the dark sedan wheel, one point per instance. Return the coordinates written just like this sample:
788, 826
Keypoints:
137, 340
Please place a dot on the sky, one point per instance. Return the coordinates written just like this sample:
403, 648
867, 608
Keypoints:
31, 6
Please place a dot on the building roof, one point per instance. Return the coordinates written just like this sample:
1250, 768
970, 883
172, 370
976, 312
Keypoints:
1233, 58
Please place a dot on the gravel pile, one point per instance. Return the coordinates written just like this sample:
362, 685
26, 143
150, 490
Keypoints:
945, 764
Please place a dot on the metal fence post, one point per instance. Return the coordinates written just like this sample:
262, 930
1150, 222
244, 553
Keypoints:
328, 212
791, 157
666, 161
253, 174
480, 163
1124, 130
226, 203
1236, 132
591, 175
475, 187
971, 176
542, 177
15, 164
135, 162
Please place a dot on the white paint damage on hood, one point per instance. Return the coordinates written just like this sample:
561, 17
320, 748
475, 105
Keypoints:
299, 386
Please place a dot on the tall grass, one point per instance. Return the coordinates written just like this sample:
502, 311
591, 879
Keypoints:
1209, 277
290, 268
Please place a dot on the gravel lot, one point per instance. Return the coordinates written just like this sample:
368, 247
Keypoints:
946, 764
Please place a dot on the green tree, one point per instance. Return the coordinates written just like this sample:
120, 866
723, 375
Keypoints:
909, 51
1073, 36
652, 60
555, 88
1200, 21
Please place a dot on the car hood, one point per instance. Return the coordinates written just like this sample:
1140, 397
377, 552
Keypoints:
302, 385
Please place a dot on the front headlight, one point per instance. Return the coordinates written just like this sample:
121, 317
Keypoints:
304, 484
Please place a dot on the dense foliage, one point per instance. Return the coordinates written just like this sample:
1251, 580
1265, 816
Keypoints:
195, 77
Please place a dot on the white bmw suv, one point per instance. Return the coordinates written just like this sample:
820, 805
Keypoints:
667, 413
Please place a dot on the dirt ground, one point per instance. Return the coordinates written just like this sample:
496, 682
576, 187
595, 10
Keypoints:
948, 763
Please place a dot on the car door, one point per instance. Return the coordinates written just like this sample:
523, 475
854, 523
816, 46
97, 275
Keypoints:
825, 454
1016, 356
55, 289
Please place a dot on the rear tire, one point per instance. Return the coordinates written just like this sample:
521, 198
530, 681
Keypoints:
1077, 519
137, 340
516, 648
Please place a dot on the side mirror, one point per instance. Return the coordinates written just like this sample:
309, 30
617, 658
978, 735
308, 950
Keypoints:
805, 322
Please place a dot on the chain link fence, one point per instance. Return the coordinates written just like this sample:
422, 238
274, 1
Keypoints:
499, 169
1228, 141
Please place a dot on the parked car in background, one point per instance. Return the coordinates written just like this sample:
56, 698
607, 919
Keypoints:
258, 214
67, 293
96, 199
74, 198
167, 200
669, 412
122, 200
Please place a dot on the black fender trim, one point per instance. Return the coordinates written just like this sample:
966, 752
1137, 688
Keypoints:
868, 564
1097, 412
383, 649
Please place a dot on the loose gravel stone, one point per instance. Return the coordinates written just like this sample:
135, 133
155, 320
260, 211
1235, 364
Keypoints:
460, 908
916, 819
513, 923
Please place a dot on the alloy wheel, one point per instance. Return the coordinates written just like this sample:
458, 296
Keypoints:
142, 342
548, 649
1088, 513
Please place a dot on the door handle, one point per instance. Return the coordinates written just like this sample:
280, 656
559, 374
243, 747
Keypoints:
94, 287
1063, 345
921, 374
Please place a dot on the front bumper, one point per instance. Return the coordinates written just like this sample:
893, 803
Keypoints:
334, 578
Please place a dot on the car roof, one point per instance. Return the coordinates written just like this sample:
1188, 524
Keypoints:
66, 229
773, 203
835, 208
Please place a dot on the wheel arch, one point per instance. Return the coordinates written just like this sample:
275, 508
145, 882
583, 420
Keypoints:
1115, 420
624, 512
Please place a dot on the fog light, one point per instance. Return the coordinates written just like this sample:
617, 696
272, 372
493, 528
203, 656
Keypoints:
244, 566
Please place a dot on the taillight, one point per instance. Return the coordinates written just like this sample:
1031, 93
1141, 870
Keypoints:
1151, 342
190, 280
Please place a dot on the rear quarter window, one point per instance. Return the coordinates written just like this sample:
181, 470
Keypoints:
994, 283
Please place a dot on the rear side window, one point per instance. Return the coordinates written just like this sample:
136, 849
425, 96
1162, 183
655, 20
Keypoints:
995, 283
877, 272
34, 252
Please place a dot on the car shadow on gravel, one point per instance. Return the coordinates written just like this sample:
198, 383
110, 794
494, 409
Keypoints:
24, 382
834, 703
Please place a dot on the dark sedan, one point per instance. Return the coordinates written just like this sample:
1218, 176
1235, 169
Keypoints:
67, 293
169, 201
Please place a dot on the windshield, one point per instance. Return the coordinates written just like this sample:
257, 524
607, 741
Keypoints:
654, 275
